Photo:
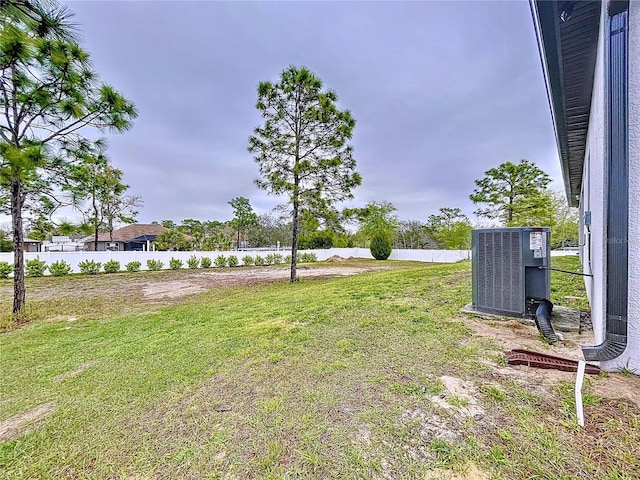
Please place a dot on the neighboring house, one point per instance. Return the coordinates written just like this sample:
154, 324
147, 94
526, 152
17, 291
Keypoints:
132, 237
28, 244
31, 245
590, 54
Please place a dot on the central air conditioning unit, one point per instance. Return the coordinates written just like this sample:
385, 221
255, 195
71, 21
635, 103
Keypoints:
510, 269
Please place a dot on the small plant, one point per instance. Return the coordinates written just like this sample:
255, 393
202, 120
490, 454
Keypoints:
175, 263
36, 267
205, 262
221, 261
287, 259
380, 246
133, 266
5, 269
232, 261
193, 262
307, 257
154, 265
90, 267
277, 258
259, 260
247, 260
112, 266
59, 268
269, 259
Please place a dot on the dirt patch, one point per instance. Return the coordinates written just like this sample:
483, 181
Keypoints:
336, 259
170, 289
459, 395
472, 473
512, 334
77, 371
205, 280
24, 422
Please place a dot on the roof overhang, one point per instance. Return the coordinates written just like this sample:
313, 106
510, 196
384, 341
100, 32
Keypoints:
567, 34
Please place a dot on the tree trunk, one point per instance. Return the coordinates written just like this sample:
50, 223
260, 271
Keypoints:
294, 242
18, 246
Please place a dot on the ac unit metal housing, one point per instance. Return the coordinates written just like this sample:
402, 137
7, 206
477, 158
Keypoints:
510, 269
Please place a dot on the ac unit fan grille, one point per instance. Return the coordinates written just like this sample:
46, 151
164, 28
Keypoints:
499, 278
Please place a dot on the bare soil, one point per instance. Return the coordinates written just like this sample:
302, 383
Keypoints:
77, 371
507, 335
24, 422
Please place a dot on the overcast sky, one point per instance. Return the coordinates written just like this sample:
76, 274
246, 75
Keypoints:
441, 91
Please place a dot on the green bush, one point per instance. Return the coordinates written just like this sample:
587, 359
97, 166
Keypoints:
59, 268
5, 269
380, 246
232, 261
133, 266
259, 261
193, 262
205, 262
221, 261
175, 263
287, 259
36, 267
154, 265
90, 267
277, 258
247, 260
112, 266
307, 257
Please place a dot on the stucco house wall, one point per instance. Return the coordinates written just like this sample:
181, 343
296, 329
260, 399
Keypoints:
593, 193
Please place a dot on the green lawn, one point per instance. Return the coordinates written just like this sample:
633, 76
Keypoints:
335, 378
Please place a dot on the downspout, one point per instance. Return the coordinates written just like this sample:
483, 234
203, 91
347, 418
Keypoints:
617, 236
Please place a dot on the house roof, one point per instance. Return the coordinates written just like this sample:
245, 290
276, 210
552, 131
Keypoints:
567, 34
130, 232
30, 240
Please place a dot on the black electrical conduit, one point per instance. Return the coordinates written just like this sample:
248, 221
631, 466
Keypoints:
566, 271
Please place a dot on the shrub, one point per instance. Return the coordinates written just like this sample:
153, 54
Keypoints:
269, 260
193, 262
247, 260
307, 257
5, 269
221, 261
259, 260
205, 262
175, 263
112, 266
60, 268
90, 267
133, 266
380, 246
36, 267
277, 258
154, 265
287, 259
232, 261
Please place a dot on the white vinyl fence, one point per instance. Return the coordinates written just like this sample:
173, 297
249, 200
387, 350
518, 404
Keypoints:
73, 258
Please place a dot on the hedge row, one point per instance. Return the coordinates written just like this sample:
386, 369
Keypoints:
37, 267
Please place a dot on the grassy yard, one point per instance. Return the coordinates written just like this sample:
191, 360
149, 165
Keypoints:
375, 375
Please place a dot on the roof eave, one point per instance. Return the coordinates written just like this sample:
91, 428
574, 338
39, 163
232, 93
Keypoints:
548, 32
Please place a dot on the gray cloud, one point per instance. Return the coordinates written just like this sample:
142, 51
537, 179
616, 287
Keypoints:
442, 91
